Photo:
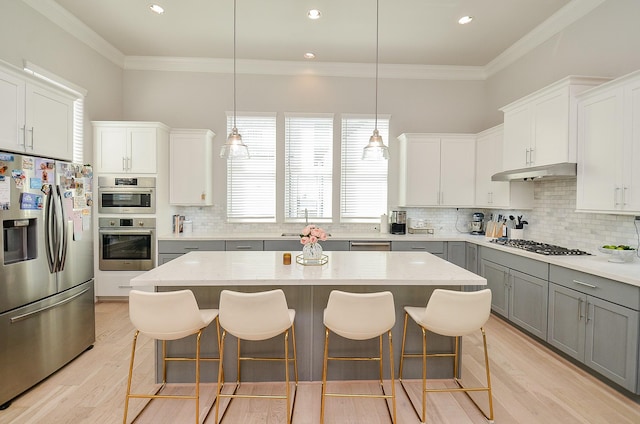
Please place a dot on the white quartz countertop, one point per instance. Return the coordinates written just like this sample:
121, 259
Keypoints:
343, 268
596, 264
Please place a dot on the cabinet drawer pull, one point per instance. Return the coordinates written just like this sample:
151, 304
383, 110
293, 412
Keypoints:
243, 247
125, 287
418, 248
585, 284
192, 248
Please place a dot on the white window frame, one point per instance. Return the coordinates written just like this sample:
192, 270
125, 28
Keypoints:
260, 169
355, 180
308, 152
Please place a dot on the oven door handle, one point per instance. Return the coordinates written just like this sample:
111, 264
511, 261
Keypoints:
128, 232
125, 191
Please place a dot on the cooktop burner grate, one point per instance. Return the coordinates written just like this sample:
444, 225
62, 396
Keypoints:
540, 248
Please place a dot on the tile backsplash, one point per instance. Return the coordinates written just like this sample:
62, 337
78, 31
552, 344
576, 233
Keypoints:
552, 220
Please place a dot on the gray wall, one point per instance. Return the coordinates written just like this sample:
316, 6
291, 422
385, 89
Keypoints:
27, 35
606, 43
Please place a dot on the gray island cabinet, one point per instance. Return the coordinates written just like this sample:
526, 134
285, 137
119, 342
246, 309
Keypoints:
595, 320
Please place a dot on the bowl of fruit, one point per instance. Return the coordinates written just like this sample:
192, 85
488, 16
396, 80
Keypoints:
618, 253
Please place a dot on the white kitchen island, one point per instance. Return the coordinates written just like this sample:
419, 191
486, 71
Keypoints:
410, 276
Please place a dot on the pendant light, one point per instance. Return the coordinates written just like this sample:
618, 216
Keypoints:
376, 148
234, 148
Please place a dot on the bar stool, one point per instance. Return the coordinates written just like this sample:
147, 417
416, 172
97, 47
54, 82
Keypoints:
454, 314
359, 316
257, 316
168, 316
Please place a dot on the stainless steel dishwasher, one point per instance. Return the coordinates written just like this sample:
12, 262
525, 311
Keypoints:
363, 246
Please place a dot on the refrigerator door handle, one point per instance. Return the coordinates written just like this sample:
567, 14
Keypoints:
63, 220
48, 230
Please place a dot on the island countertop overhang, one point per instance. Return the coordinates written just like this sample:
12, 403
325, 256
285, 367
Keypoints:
255, 268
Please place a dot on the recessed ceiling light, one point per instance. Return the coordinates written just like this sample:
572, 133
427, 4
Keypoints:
309, 55
156, 9
314, 14
465, 20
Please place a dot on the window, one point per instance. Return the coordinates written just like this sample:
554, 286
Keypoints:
251, 184
308, 167
363, 187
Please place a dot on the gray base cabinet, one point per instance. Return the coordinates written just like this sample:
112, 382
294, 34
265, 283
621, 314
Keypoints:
519, 289
457, 253
437, 248
171, 249
602, 334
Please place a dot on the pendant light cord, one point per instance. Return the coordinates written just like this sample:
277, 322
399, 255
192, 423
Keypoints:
377, 32
234, 64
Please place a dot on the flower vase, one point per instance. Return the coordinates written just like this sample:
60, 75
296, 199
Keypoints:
312, 252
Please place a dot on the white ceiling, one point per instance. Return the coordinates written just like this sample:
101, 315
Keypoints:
411, 32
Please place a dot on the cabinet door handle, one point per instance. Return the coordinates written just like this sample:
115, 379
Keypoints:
615, 196
526, 156
532, 157
587, 312
585, 284
624, 195
124, 163
580, 308
31, 145
24, 136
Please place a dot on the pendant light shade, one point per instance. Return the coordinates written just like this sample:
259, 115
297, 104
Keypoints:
376, 149
234, 148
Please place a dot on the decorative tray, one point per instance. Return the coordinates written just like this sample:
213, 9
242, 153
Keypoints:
302, 261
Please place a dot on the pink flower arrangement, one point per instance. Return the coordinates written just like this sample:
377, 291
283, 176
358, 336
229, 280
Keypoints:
312, 234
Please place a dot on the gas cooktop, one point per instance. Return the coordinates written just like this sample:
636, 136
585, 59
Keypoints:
537, 247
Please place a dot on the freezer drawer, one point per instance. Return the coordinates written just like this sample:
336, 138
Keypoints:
40, 338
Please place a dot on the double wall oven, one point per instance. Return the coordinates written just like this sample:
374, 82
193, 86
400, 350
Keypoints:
126, 244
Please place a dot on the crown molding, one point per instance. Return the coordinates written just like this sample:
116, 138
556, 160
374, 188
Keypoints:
274, 67
557, 22
68, 22
570, 13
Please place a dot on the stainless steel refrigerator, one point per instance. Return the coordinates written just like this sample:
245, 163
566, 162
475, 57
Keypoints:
46, 269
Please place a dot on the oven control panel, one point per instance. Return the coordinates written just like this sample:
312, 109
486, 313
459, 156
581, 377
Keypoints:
126, 223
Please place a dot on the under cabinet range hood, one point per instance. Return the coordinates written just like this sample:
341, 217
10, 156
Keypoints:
556, 170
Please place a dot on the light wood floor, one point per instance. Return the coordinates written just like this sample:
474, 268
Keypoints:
531, 385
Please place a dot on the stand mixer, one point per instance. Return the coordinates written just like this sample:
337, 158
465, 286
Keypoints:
477, 223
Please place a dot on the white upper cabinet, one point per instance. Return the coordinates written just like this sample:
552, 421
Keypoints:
12, 122
497, 194
49, 123
191, 167
35, 119
437, 170
128, 147
540, 129
609, 147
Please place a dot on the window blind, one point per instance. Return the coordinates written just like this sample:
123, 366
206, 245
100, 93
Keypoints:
308, 167
363, 186
78, 130
251, 183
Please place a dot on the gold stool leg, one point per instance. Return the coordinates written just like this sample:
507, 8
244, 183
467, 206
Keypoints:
324, 374
380, 359
198, 376
404, 339
220, 376
393, 385
424, 374
486, 364
295, 354
286, 373
133, 353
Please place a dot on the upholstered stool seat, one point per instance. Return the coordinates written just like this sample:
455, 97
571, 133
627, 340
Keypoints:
168, 316
256, 317
453, 314
359, 316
